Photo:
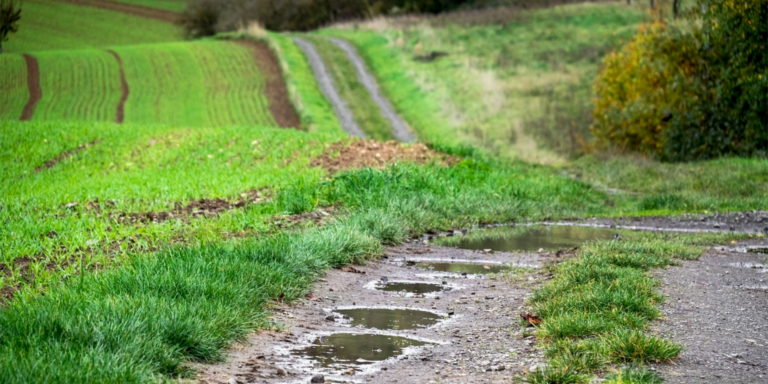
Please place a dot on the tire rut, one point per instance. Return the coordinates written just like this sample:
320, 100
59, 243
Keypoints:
124, 88
33, 83
399, 128
328, 88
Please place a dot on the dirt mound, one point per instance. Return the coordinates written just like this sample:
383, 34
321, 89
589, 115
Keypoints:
373, 154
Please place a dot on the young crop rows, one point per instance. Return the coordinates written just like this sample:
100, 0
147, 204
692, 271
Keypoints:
210, 83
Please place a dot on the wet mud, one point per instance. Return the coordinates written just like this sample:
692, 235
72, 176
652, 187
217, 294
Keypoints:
474, 333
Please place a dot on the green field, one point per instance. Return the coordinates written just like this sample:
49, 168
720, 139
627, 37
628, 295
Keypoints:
13, 83
209, 83
55, 25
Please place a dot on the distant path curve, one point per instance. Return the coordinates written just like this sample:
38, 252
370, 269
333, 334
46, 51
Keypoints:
329, 89
131, 9
399, 127
33, 83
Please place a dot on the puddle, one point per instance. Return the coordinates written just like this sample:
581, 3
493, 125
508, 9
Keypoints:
390, 319
463, 268
349, 350
409, 287
528, 238
757, 250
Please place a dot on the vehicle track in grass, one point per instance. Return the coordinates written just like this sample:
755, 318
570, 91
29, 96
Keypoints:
124, 87
276, 92
400, 129
33, 83
324, 80
131, 9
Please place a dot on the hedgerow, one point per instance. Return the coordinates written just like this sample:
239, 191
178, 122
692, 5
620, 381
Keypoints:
689, 91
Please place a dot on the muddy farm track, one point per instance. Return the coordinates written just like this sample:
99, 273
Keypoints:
324, 80
131, 9
467, 326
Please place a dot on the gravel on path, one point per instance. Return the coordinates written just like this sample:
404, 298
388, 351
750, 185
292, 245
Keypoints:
325, 81
717, 308
399, 128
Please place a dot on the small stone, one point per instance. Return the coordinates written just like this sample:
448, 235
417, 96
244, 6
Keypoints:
282, 372
485, 362
317, 379
533, 368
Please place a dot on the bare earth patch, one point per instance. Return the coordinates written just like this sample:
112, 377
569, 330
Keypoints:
717, 308
373, 154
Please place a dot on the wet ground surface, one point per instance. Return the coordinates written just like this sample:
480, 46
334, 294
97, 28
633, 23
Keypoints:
476, 336
536, 237
717, 307
403, 322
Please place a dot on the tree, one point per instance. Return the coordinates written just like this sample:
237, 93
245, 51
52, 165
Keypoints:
10, 13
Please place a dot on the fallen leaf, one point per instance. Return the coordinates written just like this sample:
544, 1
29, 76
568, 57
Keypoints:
531, 318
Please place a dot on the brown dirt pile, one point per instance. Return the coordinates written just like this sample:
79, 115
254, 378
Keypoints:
373, 154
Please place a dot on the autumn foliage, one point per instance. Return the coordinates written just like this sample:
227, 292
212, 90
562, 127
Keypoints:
692, 90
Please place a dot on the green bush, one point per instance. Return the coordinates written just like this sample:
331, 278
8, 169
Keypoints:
691, 91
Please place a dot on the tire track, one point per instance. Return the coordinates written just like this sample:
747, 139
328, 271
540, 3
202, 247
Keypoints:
274, 89
124, 86
329, 89
131, 9
33, 83
399, 128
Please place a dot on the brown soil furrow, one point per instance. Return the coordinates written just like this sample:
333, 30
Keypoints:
33, 83
131, 9
123, 86
275, 90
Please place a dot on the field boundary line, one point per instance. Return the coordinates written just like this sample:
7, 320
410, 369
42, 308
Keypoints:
329, 88
399, 127
130, 9
124, 88
33, 84
275, 90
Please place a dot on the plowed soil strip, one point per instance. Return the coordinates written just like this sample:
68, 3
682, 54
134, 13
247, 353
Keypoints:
123, 86
33, 83
340, 108
131, 9
276, 92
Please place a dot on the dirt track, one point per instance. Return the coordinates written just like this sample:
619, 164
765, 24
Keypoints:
124, 87
481, 342
400, 129
276, 92
325, 81
717, 308
131, 9
33, 83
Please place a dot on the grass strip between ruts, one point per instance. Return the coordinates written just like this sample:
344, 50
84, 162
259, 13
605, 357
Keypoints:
596, 311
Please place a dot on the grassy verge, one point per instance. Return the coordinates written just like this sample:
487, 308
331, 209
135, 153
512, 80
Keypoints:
364, 110
79, 190
507, 88
597, 310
